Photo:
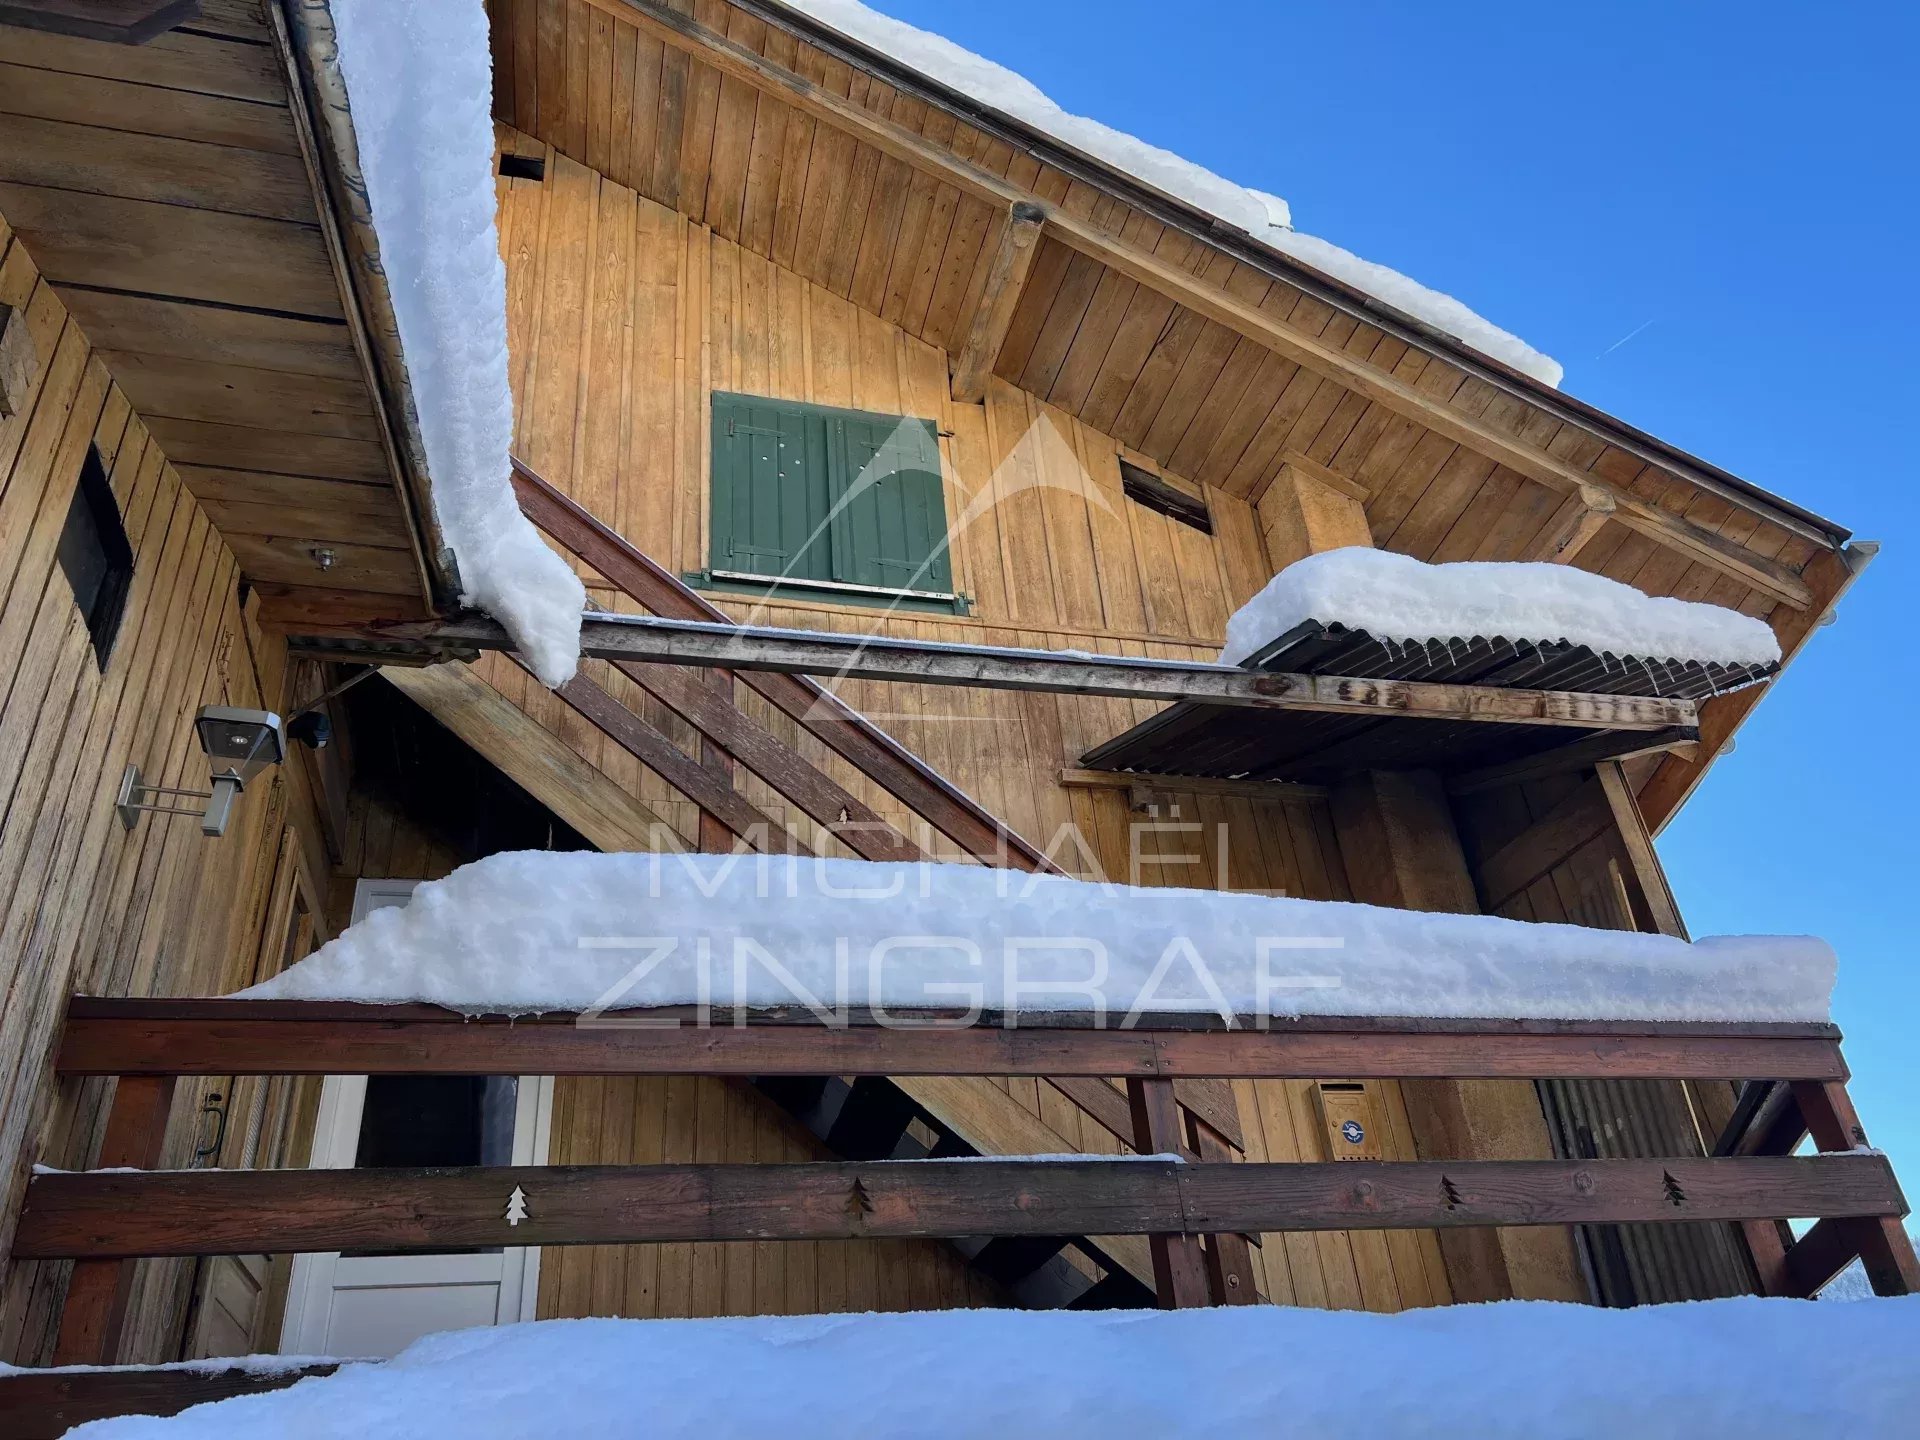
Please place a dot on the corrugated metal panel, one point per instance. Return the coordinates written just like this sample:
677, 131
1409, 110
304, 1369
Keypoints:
1228, 742
1642, 1264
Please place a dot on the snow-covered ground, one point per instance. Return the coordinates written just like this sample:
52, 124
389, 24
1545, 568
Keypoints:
1396, 597
518, 933
419, 83
1266, 217
1753, 1369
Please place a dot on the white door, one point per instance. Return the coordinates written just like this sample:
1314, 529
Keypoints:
356, 1305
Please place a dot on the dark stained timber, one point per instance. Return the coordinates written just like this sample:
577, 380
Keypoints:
101, 1215
236, 1037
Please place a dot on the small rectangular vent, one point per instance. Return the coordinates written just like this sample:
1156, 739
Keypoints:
1145, 488
96, 556
523, 167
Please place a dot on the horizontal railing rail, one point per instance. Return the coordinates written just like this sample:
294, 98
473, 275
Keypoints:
1192, 1209
114, 1215
297, 1037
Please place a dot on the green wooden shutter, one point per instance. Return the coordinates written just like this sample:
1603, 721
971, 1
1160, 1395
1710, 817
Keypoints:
890, 524
770, 489
804, 494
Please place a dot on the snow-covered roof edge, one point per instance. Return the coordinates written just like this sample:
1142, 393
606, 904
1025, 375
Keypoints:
1265, 218
418, 145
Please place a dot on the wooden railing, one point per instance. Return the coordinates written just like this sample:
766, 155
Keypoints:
103, 1219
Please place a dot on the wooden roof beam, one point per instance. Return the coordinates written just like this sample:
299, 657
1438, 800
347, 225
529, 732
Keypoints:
734, 60
1574, 526
750, 648
117, 22
1006, 280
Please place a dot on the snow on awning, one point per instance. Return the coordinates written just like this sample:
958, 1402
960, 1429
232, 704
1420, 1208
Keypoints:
528, 932
1514, 1370
418, 79
1398, 599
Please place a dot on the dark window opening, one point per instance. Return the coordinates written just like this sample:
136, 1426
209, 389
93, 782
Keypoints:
435, 1121
96, 557
1145, 488
523, 167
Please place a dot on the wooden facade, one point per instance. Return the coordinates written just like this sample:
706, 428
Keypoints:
715, 197
91, 906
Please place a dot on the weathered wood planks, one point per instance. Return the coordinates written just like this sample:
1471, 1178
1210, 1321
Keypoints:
114, 1037
208, 1212
656, 640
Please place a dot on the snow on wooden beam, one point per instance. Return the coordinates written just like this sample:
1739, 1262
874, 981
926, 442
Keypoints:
111, 1036
107, 1215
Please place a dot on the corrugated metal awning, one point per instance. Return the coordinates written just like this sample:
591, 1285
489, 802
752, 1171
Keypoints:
1224, 742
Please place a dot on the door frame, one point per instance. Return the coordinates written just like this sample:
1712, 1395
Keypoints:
336, 1135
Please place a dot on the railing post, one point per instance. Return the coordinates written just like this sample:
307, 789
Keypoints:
95, 1311
1229, 1256
1883, 1244
1179, 1269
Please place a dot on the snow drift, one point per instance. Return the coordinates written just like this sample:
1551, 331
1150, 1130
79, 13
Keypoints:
519, 933
1758, 1369
1395, 597
1265, 217
419, 82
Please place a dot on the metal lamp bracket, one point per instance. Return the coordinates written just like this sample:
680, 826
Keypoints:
135, 798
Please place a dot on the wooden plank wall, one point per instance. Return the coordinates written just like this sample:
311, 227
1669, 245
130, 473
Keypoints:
623, 316
1577, 873
84, 904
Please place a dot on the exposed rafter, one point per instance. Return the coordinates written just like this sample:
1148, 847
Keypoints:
118, 22
735, 60
1006, 279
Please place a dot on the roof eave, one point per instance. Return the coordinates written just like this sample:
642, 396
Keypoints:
1244, 246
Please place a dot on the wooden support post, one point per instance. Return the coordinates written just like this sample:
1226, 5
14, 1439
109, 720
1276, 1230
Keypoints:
1882, 1244
1308, 509
1006, 278
1179, 1269
97, 1294
1229, 1255
1401, 849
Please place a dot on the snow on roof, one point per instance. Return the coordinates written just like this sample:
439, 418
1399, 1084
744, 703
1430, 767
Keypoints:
1395, 597
533, 931
1513, 1370
418, 81
1266, 217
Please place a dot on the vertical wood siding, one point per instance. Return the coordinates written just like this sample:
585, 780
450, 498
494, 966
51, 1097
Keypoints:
84, 904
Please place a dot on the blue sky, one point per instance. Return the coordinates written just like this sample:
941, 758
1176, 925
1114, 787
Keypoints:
1738, 179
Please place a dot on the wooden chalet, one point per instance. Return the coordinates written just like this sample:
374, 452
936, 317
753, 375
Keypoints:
732, 236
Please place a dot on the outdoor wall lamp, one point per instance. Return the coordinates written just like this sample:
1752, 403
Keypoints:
240, 745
